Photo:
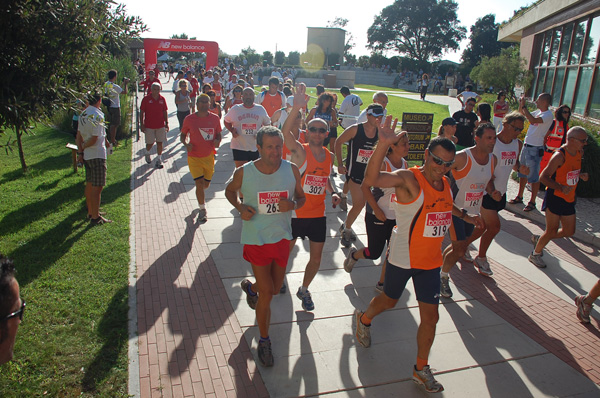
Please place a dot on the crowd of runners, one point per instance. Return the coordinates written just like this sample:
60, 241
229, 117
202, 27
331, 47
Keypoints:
284, 171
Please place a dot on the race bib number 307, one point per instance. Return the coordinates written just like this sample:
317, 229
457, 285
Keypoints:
437, 224
364, 155
268, 202
315, 185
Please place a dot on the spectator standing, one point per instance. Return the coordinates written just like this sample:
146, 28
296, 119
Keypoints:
12, 309
113, 91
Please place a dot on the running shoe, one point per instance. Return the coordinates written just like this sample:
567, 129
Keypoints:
346, 239
425, 378
468, 256
350, 261
159, 164
202, 215
534, 240
483, 266
307, 303
445, 290
344, 203
536, 259
379, 287
363, 332
250, 299
283, 288
265, 353
583, 309
148, 158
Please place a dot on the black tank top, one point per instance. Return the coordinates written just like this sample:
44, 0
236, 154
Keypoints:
361, 149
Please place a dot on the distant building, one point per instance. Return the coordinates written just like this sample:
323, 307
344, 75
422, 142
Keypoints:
560, 39
328, 41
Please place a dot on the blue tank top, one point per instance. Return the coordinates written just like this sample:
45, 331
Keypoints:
262, 192
324, 116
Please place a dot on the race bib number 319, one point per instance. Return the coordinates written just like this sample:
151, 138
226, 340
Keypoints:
437, 224
268, 202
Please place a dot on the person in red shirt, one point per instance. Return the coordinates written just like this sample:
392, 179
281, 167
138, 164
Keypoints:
151, 79
155, 122
201, 135
217, 87
195, 89
273, 99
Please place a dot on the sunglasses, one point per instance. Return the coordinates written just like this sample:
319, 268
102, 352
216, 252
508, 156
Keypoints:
517, 129
237, 91
320, 130
18, 313
441, 162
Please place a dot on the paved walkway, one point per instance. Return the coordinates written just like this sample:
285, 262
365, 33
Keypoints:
513, 334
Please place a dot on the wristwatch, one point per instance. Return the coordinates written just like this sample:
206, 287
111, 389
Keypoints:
295, 204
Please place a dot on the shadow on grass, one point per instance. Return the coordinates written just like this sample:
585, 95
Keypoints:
114, 336
51, 163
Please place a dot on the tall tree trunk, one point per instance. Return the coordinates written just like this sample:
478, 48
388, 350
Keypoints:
20, 144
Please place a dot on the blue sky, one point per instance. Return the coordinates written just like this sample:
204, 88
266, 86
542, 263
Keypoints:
276, 24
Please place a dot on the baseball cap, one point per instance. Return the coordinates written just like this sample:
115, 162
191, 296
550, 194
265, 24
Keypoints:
448, 122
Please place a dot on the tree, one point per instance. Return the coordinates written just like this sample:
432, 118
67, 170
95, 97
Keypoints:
251, 56
294, 58
279, 58
50, 53
483, 41
339, 22
420, 29
268, 56
504, 71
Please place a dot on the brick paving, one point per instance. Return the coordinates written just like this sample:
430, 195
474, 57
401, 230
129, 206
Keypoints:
190, 342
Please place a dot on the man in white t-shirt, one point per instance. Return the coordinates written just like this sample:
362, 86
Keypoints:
380, 98
244, 120
465, 95
91, 142
113, 91
350, 107
533, 148
209, 78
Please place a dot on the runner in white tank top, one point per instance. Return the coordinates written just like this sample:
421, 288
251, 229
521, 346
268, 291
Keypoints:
472, 170
507, 150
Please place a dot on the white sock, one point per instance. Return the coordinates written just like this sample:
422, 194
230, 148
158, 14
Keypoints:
303, 289
536, 253
444, 274
202, 206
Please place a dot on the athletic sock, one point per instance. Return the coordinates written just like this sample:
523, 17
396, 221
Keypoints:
303, 289
421, 363
202, 206
364, 320
536, 253
444, 274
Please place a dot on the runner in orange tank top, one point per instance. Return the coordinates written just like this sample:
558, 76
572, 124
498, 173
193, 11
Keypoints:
423, 208
560, 177
314, 162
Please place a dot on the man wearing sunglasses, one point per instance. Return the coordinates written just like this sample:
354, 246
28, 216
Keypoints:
472, 173
314, 162
12, 308
361, 139
424, 210
560, 177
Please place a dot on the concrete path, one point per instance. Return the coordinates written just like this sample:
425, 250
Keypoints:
514, 334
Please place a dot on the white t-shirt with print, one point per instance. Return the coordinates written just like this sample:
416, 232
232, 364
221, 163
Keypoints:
91, 123
247, 122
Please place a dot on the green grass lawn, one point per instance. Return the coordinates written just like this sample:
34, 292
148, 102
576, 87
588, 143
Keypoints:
381, 88
73, 339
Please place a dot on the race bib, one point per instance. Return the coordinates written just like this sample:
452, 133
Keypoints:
473, 199
573, 178
437, 224
268, 202
364, 155
508, 158
315, 185
207, 133
248, 128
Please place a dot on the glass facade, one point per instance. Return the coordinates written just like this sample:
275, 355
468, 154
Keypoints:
566, 64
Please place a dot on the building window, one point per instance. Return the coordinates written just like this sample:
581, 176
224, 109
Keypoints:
567, 63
